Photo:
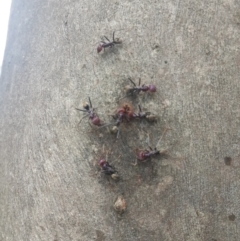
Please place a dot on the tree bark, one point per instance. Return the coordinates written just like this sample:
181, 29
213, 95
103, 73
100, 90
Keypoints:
51, 187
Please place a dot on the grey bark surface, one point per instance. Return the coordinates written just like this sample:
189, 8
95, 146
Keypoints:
50, 186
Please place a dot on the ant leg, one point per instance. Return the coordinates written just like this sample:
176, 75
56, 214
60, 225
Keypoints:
103, 42
140, 109
81, 110
118, 132
132, 82
113, 35
122, 98
89, 123
82, 119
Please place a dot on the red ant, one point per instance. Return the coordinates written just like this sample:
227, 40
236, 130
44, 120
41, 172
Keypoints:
145, 115
108, 169
95, 120
124, 113
135, 90
103, 44
143, 155
147, 154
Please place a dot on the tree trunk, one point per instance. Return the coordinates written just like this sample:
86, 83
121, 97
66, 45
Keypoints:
50, 183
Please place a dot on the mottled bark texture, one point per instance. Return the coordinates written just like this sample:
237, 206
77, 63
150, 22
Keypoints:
51, 188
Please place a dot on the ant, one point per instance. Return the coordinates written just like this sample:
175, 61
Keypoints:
135, 90
143, 155
108, 169
95, 120
124, 113
147, 154
145, 115
102, 45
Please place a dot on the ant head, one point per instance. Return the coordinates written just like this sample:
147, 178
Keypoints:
86, 106
102, 162
128, 89
99, 48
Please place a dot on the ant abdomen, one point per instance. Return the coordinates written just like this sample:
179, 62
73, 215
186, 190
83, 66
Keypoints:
99, 48
96, 121
141, 155
152, 88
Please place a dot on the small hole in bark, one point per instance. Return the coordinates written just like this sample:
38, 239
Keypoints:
232, 217
165, 62
228, 160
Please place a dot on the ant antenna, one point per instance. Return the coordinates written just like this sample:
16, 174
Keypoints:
117, 31
90, 103
80, 110
163, 134
107, 38
132, 82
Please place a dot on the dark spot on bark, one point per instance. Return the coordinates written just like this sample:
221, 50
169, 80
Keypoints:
156, 46
228, 160
165, 62
232, 217
43, 229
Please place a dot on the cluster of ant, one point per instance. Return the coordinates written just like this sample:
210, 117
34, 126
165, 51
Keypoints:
123, 114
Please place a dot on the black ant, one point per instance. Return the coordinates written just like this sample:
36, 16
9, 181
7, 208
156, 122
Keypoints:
135, 90
108, 169
102, 45
91, 114
145, 115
